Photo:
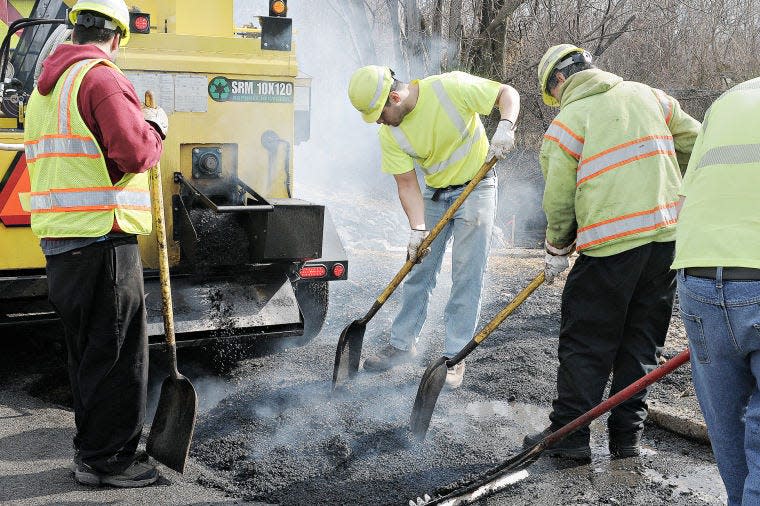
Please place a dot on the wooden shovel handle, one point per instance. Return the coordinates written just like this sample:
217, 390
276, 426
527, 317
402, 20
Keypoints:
157, 201
488, 165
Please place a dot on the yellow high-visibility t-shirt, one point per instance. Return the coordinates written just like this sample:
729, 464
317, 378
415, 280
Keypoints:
443, 134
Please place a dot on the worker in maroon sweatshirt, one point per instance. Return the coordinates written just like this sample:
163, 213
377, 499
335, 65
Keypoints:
88, 143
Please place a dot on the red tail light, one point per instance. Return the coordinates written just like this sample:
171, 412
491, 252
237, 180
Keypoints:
313, 271
338, 270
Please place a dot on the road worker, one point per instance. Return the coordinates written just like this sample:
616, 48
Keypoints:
433, 124
612, 160
718, 262
88, 147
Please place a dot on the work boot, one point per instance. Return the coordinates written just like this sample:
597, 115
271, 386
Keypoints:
140, 456
571, 447
455, 375
388, 357
624, 445
138, 474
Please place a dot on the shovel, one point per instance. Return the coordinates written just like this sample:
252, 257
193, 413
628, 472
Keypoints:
349, 349
513, 469
435, 375
173, 425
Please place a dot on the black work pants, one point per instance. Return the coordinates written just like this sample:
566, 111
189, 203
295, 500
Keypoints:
615, 316
98, 293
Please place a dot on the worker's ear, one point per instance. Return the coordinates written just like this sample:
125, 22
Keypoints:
115, 41
394, 98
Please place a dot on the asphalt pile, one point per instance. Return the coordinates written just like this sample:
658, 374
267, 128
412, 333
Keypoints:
222, 239
280, 436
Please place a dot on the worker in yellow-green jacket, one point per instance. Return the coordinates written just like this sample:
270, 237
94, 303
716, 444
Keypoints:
612, 160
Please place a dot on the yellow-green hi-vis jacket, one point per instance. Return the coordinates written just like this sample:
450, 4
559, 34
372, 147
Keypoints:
613, 160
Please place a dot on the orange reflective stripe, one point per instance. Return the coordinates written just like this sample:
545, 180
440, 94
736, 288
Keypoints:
93, 189
629, 224
667, 106
623, 154
566, 139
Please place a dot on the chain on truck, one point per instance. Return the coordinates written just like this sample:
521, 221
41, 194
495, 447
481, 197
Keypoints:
248, 261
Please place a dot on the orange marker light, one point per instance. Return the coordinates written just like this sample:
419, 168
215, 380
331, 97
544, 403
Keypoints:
278, 8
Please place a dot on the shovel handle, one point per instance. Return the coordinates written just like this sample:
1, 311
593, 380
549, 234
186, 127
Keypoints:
157, 201
488, 165
497, 320
623, 395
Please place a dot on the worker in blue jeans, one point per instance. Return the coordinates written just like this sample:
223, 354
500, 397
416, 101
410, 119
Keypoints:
433, 125
718, 262
471, 228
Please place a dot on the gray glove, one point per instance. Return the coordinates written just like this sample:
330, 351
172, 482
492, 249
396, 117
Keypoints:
556, 261
415, 239
503, 140
157, 117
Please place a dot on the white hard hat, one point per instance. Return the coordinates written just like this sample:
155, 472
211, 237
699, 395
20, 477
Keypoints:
115, 10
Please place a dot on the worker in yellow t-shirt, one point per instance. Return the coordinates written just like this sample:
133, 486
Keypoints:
433, 125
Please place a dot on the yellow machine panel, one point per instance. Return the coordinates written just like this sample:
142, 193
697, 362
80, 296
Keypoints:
245, 256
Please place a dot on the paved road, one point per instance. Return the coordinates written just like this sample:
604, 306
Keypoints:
270, 431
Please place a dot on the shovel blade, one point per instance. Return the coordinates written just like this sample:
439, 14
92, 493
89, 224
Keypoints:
174, 423
430, 388
348, 353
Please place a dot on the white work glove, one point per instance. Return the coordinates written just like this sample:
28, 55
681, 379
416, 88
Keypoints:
556, 261
503, 140
415, 239
157, 117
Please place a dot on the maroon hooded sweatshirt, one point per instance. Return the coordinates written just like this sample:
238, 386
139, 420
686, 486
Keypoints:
110, 108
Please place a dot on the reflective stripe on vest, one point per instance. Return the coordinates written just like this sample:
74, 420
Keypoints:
568, 141
629, 224
89, 199
665, 103
623, 154
736, 154
460, 123
64, 99
60, 145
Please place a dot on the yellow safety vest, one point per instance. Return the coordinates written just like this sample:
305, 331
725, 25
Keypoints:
72, 194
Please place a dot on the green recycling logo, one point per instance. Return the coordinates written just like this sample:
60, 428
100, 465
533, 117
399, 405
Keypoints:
220, 88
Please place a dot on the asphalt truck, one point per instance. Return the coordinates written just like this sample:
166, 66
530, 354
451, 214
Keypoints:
249, 261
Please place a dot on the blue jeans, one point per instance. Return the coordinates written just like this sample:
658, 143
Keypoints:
471, 229
722, 320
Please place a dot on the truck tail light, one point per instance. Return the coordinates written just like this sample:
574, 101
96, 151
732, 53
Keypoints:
139, 22
338, 270
313, 271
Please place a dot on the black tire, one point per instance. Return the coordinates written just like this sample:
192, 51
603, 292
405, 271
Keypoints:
313, 298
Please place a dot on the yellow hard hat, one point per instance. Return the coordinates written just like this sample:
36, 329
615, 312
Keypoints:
368, 90
553, 60
115, 10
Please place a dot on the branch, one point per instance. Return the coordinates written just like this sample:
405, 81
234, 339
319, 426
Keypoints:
506, 10
611, 38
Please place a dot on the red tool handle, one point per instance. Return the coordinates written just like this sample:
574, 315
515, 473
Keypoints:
618, 398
